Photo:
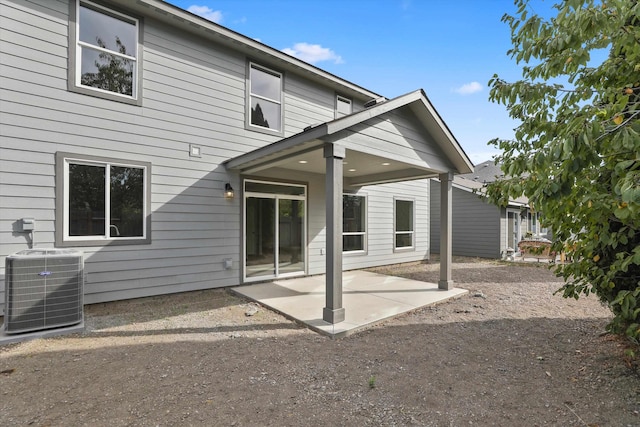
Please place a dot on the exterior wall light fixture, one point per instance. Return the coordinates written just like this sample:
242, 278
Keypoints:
228, 191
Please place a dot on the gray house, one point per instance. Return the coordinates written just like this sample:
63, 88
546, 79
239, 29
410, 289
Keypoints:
481, 229
179, 155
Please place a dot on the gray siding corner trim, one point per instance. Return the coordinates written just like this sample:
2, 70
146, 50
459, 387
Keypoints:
60, 200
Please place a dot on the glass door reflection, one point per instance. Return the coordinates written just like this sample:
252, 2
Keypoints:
260, 236
290, 236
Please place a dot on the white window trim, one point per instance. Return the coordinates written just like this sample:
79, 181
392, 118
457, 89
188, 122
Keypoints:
251, 95
396, 232
62, 206
75, 58
364, 233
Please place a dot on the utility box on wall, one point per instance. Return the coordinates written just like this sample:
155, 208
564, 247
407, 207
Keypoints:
44, 289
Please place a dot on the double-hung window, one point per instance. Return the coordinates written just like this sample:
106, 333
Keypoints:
404, 231
106, 60
354, 223
102, 201
265, 99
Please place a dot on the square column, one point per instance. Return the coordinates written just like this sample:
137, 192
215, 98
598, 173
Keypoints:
334, 312
446, 206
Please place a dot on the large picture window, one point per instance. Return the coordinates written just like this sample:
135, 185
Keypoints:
354, 224
103, 200
106, 60
265, 98
404, 224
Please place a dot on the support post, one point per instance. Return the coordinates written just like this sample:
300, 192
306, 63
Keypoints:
333, 312
446, 205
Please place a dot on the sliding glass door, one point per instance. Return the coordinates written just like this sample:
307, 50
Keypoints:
274, 225
260, 238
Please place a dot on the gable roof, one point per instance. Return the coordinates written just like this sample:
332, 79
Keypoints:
462, 182
485, 172
314, 137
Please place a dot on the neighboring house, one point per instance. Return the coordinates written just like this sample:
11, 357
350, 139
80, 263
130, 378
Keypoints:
180, 155
481, 229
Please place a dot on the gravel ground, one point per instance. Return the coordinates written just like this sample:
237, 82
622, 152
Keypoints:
509, 353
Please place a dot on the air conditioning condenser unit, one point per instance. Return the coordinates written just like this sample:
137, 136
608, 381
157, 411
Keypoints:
44, 289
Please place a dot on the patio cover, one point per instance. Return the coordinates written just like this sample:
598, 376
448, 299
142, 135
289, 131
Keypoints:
394, 140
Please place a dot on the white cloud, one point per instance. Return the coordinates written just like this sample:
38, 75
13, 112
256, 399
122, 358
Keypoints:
206, 12
468, 88
313, 53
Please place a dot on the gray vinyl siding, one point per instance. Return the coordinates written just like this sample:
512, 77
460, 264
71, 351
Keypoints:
400, 139
476, 224
193, 94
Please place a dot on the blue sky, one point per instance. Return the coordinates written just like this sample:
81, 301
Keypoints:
449, 49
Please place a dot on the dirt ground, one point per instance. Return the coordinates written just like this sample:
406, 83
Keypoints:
509, 353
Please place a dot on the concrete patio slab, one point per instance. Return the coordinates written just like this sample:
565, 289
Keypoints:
367, 297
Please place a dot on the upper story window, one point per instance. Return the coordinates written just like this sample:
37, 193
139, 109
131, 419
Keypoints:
343, 106
404, 224
354, 223
106, 60
265, 98
103, 200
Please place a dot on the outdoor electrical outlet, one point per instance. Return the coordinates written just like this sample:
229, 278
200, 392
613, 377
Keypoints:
28, 224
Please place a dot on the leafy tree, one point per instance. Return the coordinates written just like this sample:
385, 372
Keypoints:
257, 117
127, 201
115, 73
576, 151
86, 200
